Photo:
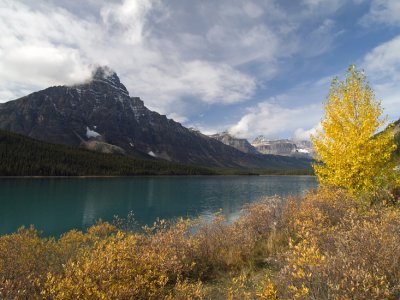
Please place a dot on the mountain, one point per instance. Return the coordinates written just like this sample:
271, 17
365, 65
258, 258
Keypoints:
100, 115
277, 147
23, 156
240, 144
283, 147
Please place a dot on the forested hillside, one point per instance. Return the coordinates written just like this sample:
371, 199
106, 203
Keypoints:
22, 156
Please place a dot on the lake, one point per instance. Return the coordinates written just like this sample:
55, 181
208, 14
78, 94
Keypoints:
56, 205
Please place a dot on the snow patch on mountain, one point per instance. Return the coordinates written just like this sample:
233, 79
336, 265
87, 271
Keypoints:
91, 133
303, 151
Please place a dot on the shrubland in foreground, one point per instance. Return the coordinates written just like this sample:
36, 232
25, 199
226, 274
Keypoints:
325, 245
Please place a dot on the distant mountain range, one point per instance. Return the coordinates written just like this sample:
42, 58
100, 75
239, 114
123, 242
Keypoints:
100, 115
262, 145
240, 144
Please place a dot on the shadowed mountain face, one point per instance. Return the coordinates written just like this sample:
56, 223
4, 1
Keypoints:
100, 115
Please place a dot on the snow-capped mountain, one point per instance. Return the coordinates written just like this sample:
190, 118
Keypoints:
101, 115
283, 147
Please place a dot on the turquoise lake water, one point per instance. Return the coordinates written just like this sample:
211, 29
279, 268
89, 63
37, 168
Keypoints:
55, 205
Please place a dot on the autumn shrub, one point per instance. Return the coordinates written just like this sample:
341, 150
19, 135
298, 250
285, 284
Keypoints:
241, 287
221, 248
231, 247
25, 259
341, 250
176, 241
127, 265
186, 290
324, 245
265, 221
116, 268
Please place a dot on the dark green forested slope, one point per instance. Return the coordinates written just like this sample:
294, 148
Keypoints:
22, 156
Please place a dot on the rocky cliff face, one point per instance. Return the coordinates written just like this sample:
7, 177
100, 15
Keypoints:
283, 147
240, 144
277, 147
101, 115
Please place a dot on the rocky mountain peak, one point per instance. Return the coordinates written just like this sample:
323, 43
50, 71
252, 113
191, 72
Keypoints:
240, 144
260, 140
283, 147
104, 75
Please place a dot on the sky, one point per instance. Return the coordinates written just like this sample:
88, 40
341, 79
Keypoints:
249, 67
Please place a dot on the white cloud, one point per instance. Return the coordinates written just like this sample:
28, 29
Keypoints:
300, 134
128, 18
36, 48
294, 114
382, 65
384, 60
42, 65
383, 12
273, 121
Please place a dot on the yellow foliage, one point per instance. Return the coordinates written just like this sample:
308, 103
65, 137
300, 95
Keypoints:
267, 290
349, 153
303, 266
341, 250
240, 288
115, 269
334, 248
25, 258
184, 290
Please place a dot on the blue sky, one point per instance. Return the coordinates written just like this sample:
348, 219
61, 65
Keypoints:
250, 67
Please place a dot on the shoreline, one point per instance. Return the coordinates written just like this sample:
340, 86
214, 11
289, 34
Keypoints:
135, 176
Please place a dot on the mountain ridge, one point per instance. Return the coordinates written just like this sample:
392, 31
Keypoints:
103, 109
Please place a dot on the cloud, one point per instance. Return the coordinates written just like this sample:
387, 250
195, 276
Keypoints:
382, 12
322, 7
293, 114
321, 39
273, 121
382, 65
384, 60
300, 134
42, 65
34, 48
127, 19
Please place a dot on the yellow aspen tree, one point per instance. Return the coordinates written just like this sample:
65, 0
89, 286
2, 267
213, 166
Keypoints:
349, 152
